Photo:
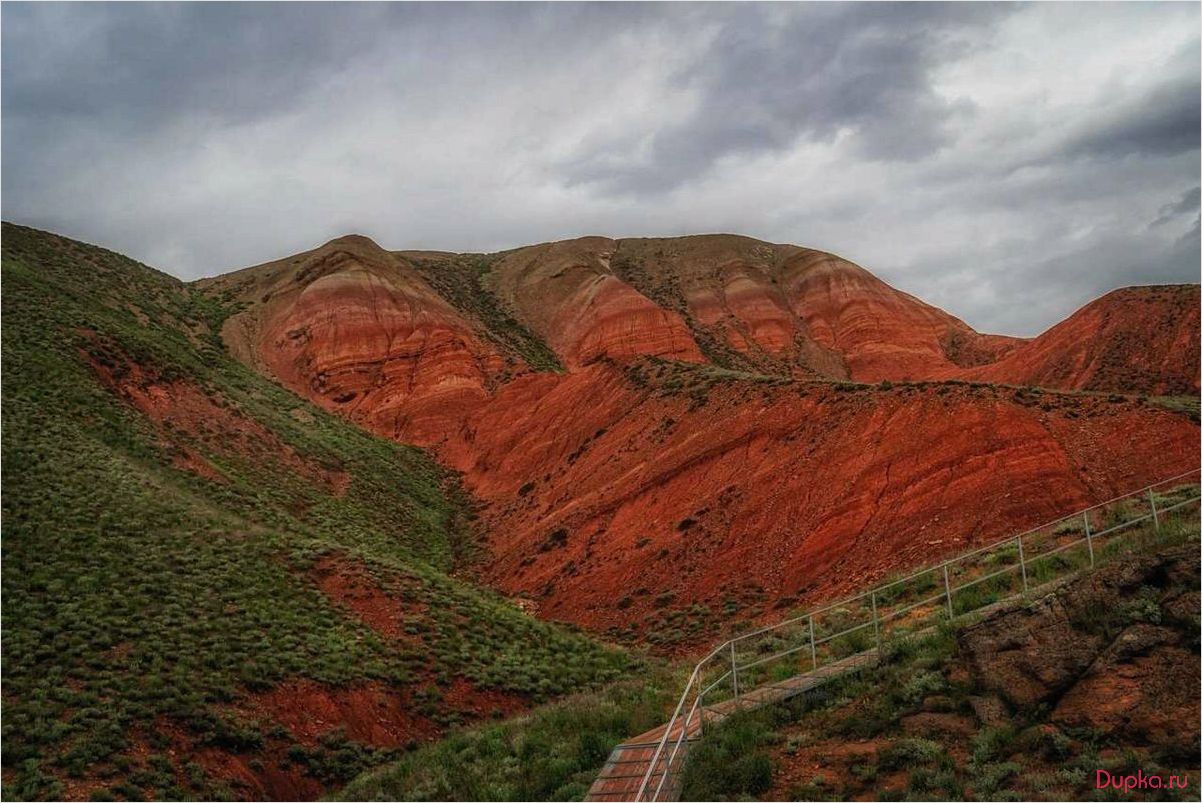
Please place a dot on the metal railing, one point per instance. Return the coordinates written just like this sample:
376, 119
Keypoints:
1002, 570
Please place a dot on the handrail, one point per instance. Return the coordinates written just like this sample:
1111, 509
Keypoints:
692, 686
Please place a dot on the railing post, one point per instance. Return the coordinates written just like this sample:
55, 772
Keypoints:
1155, 516
813, 646
1088, 537
734, 672
1022, 562
947, 587
876, 624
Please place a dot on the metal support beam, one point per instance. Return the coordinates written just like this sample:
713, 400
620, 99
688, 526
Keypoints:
734, 671
1088, 537
947, 587
1022, 561
813, 646
876, 622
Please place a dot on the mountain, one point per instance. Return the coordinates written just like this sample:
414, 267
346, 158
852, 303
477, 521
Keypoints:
269, 530
675, 432
1141, 339
358, 329
213, 588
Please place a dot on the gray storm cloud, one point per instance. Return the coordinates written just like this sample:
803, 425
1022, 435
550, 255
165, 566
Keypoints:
1007, 162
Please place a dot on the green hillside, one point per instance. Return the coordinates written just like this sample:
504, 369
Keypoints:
189, 549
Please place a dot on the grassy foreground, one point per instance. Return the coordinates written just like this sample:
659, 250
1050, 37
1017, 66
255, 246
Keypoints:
552, 754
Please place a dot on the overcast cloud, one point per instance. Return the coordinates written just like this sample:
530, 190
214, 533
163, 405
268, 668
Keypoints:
1005, 162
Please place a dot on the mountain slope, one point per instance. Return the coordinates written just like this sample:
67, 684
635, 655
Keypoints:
653, 479
630, 497
732, 301
1141, 339
360, 331
214, 588
211, 587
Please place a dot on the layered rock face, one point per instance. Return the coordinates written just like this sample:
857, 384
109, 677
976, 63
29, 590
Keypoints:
726, 289
605, 493
357, 330
881, 332
568, 294
691, 441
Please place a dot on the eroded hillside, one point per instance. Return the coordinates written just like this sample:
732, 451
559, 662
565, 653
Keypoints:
676, 432
212, 588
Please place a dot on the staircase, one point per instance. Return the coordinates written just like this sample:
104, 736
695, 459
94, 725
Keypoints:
732, 677
631, 762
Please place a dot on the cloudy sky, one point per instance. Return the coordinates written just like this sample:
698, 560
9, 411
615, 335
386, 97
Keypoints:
1007, 163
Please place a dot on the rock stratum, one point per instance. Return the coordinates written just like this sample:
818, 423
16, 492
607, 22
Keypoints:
665, 431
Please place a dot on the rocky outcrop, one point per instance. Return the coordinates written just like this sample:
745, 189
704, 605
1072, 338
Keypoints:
357, 330
1116, 651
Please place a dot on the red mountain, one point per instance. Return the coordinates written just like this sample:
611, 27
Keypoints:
1137, 339
672, 423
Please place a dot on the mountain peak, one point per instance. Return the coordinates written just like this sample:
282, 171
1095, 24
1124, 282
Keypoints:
353, 240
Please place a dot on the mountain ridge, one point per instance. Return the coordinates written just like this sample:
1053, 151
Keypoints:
746, 304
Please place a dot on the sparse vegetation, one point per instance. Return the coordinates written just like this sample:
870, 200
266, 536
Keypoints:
158, 573
461, 280
551, 754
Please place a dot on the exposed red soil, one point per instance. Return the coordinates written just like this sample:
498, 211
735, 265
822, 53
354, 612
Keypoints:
1141, 339
373, 713
772, 492
189, 460
350, 586
603, 495
829, 761
264, 776
464, 698
267, 778
185, 414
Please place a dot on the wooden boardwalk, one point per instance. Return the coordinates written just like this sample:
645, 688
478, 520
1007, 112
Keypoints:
623, 773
